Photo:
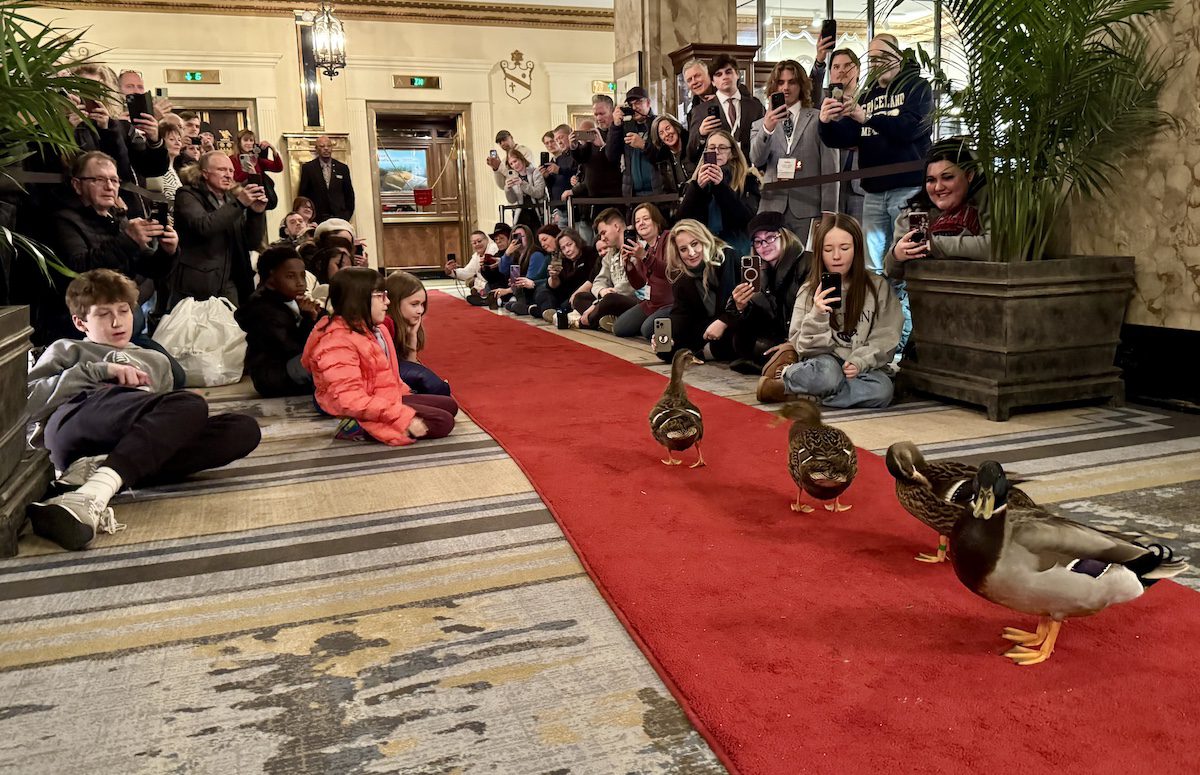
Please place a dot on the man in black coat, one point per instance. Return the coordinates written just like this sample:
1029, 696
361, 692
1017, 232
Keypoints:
731, 101
326, 181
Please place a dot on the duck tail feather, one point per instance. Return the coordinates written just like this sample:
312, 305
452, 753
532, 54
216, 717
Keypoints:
1157, 563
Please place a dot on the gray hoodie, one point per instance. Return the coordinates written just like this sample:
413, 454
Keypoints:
69, 367
874, 340
612, 275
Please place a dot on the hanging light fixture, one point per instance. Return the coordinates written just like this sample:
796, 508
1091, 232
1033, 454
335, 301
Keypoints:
329, 41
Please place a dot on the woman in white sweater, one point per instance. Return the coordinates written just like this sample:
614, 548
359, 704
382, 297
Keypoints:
483, 256
525, 186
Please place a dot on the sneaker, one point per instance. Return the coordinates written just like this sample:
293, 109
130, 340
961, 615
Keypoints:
607, 323
71, 520
349, 430
77, 474
535, 311
547, 315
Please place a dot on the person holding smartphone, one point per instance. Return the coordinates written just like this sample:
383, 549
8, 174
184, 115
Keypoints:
645, 258
723, 193
629, 139
611, 292
786, 143
763, 305
252, 157
845, 327
669, 140
953, 222
526, 266
525, 186
703, 271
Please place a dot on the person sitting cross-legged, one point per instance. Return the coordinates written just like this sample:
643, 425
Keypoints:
106, 411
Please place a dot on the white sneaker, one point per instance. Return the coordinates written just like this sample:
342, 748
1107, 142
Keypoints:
71, 520
78, 473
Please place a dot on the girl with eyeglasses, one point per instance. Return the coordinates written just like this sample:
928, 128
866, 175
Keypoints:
838, 345
355, 369
763, 309
702, 272
723, 193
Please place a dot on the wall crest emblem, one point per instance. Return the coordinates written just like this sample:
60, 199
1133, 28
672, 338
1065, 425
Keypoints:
518, 77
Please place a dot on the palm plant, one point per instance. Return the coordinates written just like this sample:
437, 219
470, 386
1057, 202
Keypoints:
35, 108
1058, 94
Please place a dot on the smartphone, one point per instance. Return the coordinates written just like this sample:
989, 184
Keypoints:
247, 160
90, 105
836, 90
451, 257
833, 280
631, 235
359, 249
662, 336
161, 213
585, 135
161, 91
628, 126
197, 141
752, 271
545, 158
492, 153
777, 101
919, 220
828, 30
137, 104
710, 157
514, 274
714, 109
254, 179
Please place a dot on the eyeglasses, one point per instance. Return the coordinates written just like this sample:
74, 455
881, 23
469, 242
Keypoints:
379, 295
720, 148
770, 239
114, 182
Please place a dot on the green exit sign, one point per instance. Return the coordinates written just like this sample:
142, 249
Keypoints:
416, 82
194, 76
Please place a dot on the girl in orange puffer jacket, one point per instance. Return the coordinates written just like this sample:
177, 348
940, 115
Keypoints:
354, 368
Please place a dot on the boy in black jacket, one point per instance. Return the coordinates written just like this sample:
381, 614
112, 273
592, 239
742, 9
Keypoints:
277, 319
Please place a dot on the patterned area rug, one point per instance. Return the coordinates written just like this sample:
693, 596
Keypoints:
331, 607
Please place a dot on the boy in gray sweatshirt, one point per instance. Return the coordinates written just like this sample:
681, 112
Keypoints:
107, 412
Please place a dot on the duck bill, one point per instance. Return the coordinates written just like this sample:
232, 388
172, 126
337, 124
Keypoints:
984, 503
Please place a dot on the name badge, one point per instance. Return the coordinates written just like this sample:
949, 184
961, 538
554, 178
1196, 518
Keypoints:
786, 169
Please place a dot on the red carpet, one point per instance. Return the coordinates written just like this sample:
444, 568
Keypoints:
809, 643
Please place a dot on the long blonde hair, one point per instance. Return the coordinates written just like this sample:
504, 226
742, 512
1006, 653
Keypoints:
739, 169
714, 252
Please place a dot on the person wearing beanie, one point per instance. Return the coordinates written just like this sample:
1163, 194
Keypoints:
762, 306
333, 225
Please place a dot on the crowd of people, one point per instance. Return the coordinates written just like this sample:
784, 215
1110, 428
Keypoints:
802, 286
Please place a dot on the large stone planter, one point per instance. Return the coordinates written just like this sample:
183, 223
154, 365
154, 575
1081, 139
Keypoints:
1023, 334
23, 475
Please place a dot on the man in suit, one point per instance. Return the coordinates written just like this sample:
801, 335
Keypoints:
787, 135
326, 181
736, 110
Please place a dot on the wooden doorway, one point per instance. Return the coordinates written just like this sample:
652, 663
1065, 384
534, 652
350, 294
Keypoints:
418, 147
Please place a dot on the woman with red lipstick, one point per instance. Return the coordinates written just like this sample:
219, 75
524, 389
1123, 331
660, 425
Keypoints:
951, 199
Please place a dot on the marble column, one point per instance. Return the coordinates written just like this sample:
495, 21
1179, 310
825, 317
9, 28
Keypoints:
1154, 211
652, 29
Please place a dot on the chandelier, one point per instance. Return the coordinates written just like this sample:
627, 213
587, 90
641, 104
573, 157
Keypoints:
328, 41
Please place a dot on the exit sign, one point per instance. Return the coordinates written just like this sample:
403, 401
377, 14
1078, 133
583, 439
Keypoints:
194, 76
604, 87
416, 82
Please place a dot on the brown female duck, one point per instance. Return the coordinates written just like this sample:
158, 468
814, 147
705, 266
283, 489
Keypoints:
675, 422
821, 458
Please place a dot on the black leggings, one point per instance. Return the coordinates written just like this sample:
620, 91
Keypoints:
611, 304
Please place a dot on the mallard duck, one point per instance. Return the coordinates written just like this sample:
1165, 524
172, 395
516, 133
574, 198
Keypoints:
821, 458
1031, 561
938, 493
675, 422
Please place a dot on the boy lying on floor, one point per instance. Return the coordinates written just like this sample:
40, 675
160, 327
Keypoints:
106, 410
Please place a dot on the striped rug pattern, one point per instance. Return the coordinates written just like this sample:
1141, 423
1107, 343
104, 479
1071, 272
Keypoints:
338, 607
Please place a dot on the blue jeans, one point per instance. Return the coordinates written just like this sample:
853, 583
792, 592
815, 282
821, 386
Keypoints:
634, 322
421, 379
822, 376
880, 212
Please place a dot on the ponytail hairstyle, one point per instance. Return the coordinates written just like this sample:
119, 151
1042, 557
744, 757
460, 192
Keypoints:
350, 296
399, 286
856, 285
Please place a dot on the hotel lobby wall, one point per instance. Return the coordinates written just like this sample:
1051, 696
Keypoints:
258, 60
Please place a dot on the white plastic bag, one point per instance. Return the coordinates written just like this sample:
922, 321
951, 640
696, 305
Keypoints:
206, 340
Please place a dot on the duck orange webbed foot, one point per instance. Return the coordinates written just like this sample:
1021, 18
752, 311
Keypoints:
1022, 655
837, 505
699, 459
803, 508
671, 461
943, 545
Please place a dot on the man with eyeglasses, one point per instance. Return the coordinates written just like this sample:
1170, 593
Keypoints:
733, 110
629, 139
219, 222
94, 234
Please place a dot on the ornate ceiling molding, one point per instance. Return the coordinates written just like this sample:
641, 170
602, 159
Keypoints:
420, 11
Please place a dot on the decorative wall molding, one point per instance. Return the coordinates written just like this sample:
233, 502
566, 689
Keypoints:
209, 58
398, 64
421, 11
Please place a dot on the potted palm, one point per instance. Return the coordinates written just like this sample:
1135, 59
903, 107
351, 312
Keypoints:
34, 109
1056, 96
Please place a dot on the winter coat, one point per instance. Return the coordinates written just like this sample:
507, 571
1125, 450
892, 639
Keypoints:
274, 335
355, 378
